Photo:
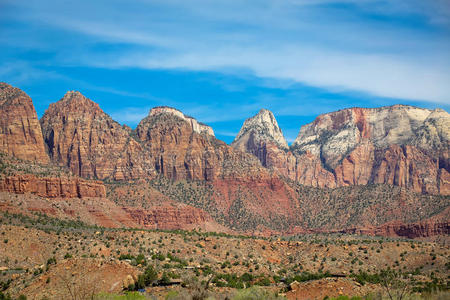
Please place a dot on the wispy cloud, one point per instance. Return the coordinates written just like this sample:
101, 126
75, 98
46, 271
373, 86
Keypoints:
397, 49
130, 115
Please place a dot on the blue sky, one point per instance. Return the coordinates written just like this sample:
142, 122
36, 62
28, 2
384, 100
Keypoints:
221, 61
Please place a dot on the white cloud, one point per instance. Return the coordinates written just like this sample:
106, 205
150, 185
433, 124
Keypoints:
304, 41
130, 115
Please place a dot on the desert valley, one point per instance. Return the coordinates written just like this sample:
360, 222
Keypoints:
357, 205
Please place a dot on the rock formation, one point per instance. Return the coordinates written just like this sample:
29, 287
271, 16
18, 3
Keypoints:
51, 187
80, 135
333, 135
261, 136
196, 126
257, 131
20, 131
398, 145
369, 167
169, 217
179, 151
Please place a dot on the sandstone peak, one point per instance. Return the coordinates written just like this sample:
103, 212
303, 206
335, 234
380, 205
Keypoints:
77, 100
196, 126
261, 127
20, 131
10, 93
4, 85
81, 136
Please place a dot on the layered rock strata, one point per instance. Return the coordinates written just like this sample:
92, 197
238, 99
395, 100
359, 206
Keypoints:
52, 187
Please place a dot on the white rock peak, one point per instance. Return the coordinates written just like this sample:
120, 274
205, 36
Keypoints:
334, 134
196, 126
264, 127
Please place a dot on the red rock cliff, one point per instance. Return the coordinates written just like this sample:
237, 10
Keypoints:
52, 187
84, 138
178, 151
20, 131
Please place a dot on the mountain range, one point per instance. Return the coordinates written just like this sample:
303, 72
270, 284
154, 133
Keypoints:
379, 170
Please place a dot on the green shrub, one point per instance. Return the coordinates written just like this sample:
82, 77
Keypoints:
254, 293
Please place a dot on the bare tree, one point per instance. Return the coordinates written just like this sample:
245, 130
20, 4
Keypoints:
395, 286
79, 287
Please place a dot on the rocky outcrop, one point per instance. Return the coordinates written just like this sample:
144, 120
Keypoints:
434, 133
371, 167
196, 126
169, 217
398, 145
20, 131
178, 151
262, 127
52, 187
81, 136
261, 136
398, 229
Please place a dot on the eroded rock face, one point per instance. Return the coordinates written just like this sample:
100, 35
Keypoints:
254, 192
261, 128
334, 135
20, 131
169, 217
52, 187
261, 136
434, 133
398, 145
178, 151
81, 136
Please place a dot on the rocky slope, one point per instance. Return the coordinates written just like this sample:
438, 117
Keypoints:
29, 187
61, 255
80, 135
412, 230
20, 132
170, 217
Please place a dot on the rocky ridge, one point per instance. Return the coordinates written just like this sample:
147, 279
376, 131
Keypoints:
333, 135
79, 135
263, 190
178, 151
397, 145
